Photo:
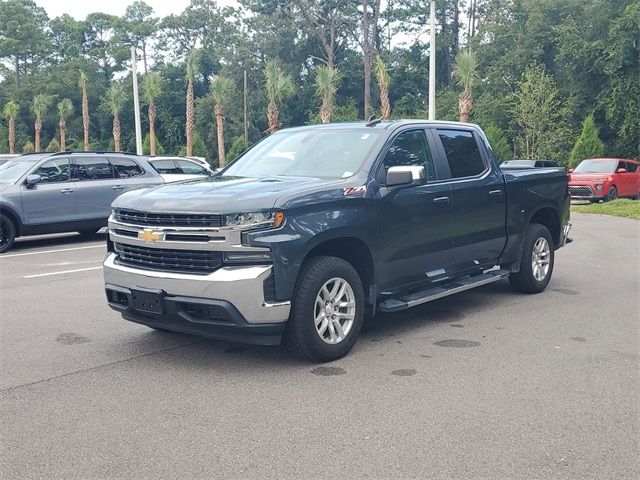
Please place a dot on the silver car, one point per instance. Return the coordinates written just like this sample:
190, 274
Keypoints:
65, 192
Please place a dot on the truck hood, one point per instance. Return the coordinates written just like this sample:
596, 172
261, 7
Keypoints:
217, 195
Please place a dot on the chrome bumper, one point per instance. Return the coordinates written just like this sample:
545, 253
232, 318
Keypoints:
242, 286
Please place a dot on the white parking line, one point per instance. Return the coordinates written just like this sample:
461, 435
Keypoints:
51, 251
62, 272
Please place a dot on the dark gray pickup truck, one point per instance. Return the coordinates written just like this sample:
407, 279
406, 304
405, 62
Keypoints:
316, 227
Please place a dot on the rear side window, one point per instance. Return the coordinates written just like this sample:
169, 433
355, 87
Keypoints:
54, 171
126, 168
462, 153
632, 167
165, 166
410, 149
93, 168
190, 168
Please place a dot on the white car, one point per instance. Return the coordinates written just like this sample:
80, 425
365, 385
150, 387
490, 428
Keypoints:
176, 169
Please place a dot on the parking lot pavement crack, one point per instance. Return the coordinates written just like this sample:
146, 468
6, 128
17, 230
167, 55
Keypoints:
97, 367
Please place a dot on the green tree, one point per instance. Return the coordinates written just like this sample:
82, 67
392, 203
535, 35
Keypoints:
192, 68
498, 141
113, 102
326, 83
464, 70
384, 79
279, 86
221, 90
237, 147
54, 146
542, 117
10, 111
151, 90
199, 148
138, 27
65, 108
146, 146
588, 144
28, 147
39, 107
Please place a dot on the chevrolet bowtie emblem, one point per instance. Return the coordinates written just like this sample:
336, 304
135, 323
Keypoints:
150, 236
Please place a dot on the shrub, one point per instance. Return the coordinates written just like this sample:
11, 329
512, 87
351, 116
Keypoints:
588, 144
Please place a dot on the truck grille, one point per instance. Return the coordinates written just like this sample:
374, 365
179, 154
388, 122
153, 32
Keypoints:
580, 191
134, 217
165, 260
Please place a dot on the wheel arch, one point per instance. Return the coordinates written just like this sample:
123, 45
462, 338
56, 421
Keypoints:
13, 216
550, 218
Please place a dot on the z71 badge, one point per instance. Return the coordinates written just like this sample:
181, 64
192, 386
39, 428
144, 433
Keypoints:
353, 191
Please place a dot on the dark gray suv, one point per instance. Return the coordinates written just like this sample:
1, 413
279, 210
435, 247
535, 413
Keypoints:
65, 192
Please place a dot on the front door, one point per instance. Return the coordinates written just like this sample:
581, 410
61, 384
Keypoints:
415, 222
53, 199
97, 188
479, 199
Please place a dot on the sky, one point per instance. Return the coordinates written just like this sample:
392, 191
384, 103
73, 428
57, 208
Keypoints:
79, 9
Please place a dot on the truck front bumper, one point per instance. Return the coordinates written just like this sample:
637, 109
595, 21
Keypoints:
227, 304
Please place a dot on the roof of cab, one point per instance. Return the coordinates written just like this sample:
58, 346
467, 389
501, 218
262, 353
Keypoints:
383, 125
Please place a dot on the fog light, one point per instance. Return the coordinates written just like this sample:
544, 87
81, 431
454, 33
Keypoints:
599, 187
247, 257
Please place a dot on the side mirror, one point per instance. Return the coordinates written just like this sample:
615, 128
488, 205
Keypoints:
31, 180
570, 170
406, 176
621, 170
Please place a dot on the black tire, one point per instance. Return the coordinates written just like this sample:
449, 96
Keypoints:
525, 280
612, 195
7, 233
301, 337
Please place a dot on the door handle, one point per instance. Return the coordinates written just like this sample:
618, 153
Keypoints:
441, 200
495, 193
118, 187
66, 190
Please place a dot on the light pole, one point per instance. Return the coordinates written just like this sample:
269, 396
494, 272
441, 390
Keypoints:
136, 102
432, 64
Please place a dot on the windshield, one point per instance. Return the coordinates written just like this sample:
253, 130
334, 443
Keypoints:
597, 166
12, 170
311, 153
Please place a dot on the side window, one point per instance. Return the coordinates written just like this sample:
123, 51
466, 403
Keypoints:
190, 168
632, 167
462, 153
93, 168
125, 168
410, 149
165, 166
54, 171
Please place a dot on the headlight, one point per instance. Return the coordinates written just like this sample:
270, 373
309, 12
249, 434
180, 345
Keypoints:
599, 187
248, 219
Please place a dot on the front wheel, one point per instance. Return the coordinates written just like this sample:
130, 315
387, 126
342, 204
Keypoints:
327, 310
7, 233
536, 265
612, 195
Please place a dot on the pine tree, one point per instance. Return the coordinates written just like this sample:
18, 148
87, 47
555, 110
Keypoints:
588, 144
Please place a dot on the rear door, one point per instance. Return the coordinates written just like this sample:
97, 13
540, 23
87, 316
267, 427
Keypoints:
626, 181
96, 185
634, 172
478, 198
53, 199
415, 222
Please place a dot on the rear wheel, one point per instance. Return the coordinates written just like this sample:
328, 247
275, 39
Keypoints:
327, 311
536, 265
7, 233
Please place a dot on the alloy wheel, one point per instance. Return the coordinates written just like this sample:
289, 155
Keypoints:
540, 259
334, 310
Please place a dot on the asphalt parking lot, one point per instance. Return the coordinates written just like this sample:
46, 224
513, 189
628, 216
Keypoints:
485, 384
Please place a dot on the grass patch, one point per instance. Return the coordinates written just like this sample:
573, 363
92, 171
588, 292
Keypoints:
622, 207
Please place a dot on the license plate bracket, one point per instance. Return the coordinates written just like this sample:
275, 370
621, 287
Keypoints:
148, 301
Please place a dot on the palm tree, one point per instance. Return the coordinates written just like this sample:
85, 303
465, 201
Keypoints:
279, 87
192, 67
151, 89
464, 69
40, 105
114, 102
84, 85
65, 107
11, 110
221, 91
327, 82
384, 79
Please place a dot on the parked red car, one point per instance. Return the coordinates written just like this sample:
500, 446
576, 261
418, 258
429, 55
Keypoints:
605, 179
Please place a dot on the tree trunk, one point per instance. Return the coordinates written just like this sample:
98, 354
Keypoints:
220, 129
144, 56
63, 135
116, 133
456, 28
38, 128
326, 110
152, 129
85, 117
17, 70
190, 118
465, 105
366, 53
12, 135
272, 117
385, 105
